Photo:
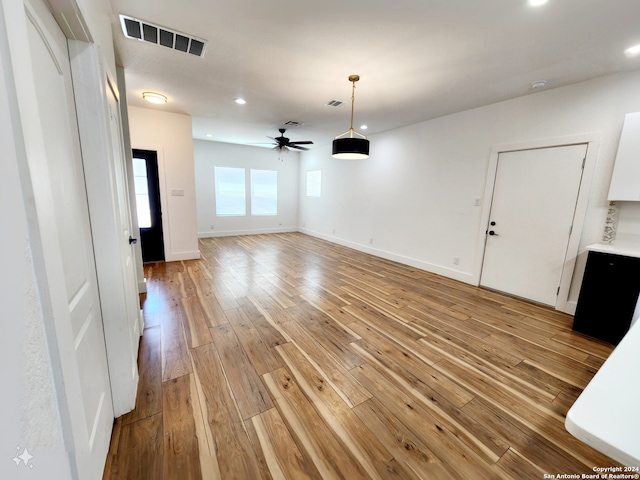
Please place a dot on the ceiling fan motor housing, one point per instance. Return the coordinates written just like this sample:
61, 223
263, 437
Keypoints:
283, 142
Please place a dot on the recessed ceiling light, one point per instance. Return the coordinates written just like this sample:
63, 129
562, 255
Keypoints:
536, 3
154, 97
539, 84
363, 127
240, 101
209, 135
632, 51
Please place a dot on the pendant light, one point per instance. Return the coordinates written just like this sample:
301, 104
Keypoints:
351, 148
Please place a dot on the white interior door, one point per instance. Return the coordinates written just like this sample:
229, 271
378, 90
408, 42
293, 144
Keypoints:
107, 195
127, 237
64, 221
532, 211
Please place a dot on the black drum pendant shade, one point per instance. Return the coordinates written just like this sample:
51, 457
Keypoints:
351, 148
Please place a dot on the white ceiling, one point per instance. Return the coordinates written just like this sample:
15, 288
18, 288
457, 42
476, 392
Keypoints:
418, 59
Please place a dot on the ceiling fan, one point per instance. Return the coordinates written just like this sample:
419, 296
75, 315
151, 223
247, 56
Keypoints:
283, 143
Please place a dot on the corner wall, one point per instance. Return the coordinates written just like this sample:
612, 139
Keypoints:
210, 154
170, 135
413, 200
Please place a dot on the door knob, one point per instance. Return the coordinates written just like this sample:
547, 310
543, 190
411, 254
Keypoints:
132, 241
492, 233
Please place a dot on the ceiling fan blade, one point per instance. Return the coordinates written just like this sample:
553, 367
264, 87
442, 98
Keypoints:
303, 142
297, 147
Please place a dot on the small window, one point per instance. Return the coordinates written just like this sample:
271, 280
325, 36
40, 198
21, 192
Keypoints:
264, 192
314, 183
230, 191
141, 186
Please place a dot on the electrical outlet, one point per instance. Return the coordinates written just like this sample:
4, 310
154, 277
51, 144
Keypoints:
371, 241
477, 202
456, 260
334, 231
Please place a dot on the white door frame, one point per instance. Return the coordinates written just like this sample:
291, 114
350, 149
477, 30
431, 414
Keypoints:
593, 144
164, 201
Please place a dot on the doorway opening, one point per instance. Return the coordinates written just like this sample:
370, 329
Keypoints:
147, 188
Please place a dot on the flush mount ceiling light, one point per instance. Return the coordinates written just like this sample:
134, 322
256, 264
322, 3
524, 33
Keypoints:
536, 3
632, 51
240, 101
154, 98
351, 148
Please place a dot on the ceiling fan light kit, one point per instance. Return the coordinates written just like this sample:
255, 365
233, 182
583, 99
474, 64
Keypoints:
351, 148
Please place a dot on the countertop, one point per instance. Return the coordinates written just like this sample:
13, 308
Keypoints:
606, 415
627, 245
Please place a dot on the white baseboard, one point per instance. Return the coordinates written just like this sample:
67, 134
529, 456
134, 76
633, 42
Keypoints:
233, 233
570, 307
178, 256
412, 262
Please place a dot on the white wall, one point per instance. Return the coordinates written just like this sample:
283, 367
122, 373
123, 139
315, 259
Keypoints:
629, 220
414, 196
210, 154
170, 135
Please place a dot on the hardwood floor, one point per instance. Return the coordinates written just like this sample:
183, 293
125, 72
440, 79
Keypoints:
287, 357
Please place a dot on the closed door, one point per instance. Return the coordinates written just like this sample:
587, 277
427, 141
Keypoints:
532, 212
127, 238
147, 187
61, 203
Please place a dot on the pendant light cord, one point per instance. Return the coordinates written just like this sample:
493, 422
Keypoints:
353, 79
353, 100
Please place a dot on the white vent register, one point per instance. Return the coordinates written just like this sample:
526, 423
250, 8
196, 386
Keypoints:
148, 32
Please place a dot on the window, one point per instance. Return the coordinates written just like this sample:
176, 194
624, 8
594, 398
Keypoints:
264, 192
230, 191
141, 187
314, 183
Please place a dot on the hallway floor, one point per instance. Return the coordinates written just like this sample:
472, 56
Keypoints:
285, 356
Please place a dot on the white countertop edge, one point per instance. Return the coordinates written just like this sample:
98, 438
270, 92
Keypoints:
626, 250
624, 244
606, 415
599, 444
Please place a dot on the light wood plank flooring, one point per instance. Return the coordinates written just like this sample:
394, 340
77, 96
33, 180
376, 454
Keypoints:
287, 357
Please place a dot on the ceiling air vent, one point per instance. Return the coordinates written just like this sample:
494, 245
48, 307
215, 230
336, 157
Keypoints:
334, 103
148, 32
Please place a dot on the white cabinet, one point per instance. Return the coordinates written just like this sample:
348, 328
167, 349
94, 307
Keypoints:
625, 181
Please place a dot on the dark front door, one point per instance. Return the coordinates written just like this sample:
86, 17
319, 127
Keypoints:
147, 186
